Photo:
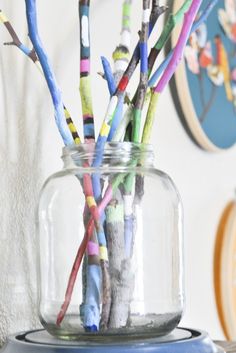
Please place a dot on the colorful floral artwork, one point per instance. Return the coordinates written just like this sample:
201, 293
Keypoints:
210, 70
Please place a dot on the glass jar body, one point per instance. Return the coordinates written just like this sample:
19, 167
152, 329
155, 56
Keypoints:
125, 218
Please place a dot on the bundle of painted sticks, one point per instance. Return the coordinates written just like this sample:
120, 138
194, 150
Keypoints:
123, 119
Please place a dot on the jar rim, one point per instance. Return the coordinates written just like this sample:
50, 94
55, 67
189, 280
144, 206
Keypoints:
116, 152
109, 146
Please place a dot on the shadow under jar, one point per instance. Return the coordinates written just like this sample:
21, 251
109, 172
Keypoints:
127, 216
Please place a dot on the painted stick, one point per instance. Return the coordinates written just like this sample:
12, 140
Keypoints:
56, 96
89, 135
15, 39
94, 211
85, 85
106, 286
156, 12
116, 250
115, 210
121, 58
31, 54
112, 88
120, 131
108, 75
143, 83
91, 308
121, 55
175, 59
111, 189
48, 72
118, 95
202, 18
138, 102
172, 21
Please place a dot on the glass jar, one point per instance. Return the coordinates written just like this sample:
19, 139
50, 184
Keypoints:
110, 246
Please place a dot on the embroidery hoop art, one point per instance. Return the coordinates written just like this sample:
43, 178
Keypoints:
225, 270
184, 104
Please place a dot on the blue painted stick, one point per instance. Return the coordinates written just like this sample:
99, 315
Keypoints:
112, 88
196, 25
48, 72
116, 118
108, 75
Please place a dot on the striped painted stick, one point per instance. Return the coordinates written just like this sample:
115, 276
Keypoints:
121, 55
175, 59
56, 96
172, 21
85, 84
110, 191
48, 72
202, 18
143, 83
129, 180
120, 91
91, 309
156, 12
31, 54
89, 136
117, 97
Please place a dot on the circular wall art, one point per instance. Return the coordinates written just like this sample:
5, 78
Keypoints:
204, 87
225, 270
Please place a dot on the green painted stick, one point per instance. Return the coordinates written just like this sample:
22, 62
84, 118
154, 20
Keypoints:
168, 73
172, 21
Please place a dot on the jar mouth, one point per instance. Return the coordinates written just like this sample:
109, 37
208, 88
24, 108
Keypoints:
112, 153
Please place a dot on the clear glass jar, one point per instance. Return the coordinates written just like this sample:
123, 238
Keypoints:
130, 281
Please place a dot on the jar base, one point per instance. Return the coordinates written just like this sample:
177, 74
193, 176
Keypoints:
148, 326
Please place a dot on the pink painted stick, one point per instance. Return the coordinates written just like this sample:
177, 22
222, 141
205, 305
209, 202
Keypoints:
79, 256
189, 18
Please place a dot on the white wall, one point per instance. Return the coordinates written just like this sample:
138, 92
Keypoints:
30, 149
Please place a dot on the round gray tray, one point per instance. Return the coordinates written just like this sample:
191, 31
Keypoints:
179, 341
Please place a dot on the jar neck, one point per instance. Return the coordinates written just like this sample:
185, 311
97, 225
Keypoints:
114, 154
